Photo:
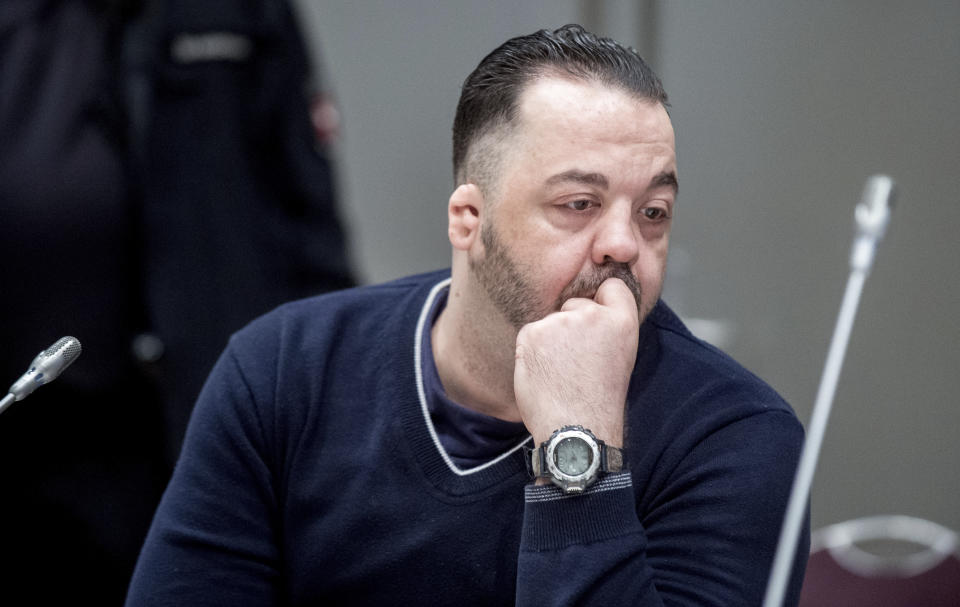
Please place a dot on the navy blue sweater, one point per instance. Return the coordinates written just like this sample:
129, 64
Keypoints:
311, 474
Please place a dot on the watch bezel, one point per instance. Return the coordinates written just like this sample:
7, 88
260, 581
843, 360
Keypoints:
578, 482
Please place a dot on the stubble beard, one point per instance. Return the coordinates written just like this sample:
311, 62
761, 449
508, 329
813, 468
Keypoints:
516, 297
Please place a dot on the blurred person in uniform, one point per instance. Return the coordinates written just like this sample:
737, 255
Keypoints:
164, 177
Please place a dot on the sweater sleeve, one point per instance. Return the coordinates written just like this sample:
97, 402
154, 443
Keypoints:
212, 541
705, 536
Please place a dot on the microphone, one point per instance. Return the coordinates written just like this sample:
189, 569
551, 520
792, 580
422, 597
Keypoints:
872, 216
46, 367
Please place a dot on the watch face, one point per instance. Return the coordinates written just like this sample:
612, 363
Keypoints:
573, 456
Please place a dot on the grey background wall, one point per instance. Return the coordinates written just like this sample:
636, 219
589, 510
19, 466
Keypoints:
782, 110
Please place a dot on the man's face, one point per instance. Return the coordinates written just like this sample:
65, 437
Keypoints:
586, 192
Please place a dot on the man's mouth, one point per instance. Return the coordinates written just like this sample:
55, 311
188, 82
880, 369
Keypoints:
587, 284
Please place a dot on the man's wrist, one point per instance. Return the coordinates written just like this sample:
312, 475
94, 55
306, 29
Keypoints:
573, 458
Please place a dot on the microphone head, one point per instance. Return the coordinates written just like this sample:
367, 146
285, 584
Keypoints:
59, 356
47, 366
69, 347
873, 212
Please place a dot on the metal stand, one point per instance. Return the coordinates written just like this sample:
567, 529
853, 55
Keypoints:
8, 400
872, 215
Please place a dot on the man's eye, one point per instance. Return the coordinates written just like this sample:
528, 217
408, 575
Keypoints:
655, 213
579, 205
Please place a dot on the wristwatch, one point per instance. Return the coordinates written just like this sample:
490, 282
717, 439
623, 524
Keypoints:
573, 458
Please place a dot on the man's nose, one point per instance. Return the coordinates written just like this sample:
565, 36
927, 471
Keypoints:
616, 239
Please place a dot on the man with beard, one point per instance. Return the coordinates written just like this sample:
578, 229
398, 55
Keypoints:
533, 427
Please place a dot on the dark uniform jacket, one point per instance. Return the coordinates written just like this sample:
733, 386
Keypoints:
161, 183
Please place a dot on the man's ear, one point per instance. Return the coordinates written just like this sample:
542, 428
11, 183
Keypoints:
464, 216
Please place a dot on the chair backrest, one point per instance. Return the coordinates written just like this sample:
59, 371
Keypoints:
883, 561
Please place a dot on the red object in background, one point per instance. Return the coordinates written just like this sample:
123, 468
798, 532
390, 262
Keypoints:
325, 118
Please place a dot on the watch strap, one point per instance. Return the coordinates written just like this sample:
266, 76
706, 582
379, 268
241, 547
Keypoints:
538, 462
611, 458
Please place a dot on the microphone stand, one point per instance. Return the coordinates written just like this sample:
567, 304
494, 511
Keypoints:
872, 216
8, 400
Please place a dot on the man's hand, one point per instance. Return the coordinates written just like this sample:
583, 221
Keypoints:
573, 367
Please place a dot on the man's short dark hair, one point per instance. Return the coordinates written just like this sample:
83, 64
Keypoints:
489, 96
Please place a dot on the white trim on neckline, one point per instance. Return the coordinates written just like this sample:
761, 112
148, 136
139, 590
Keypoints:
418, 371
